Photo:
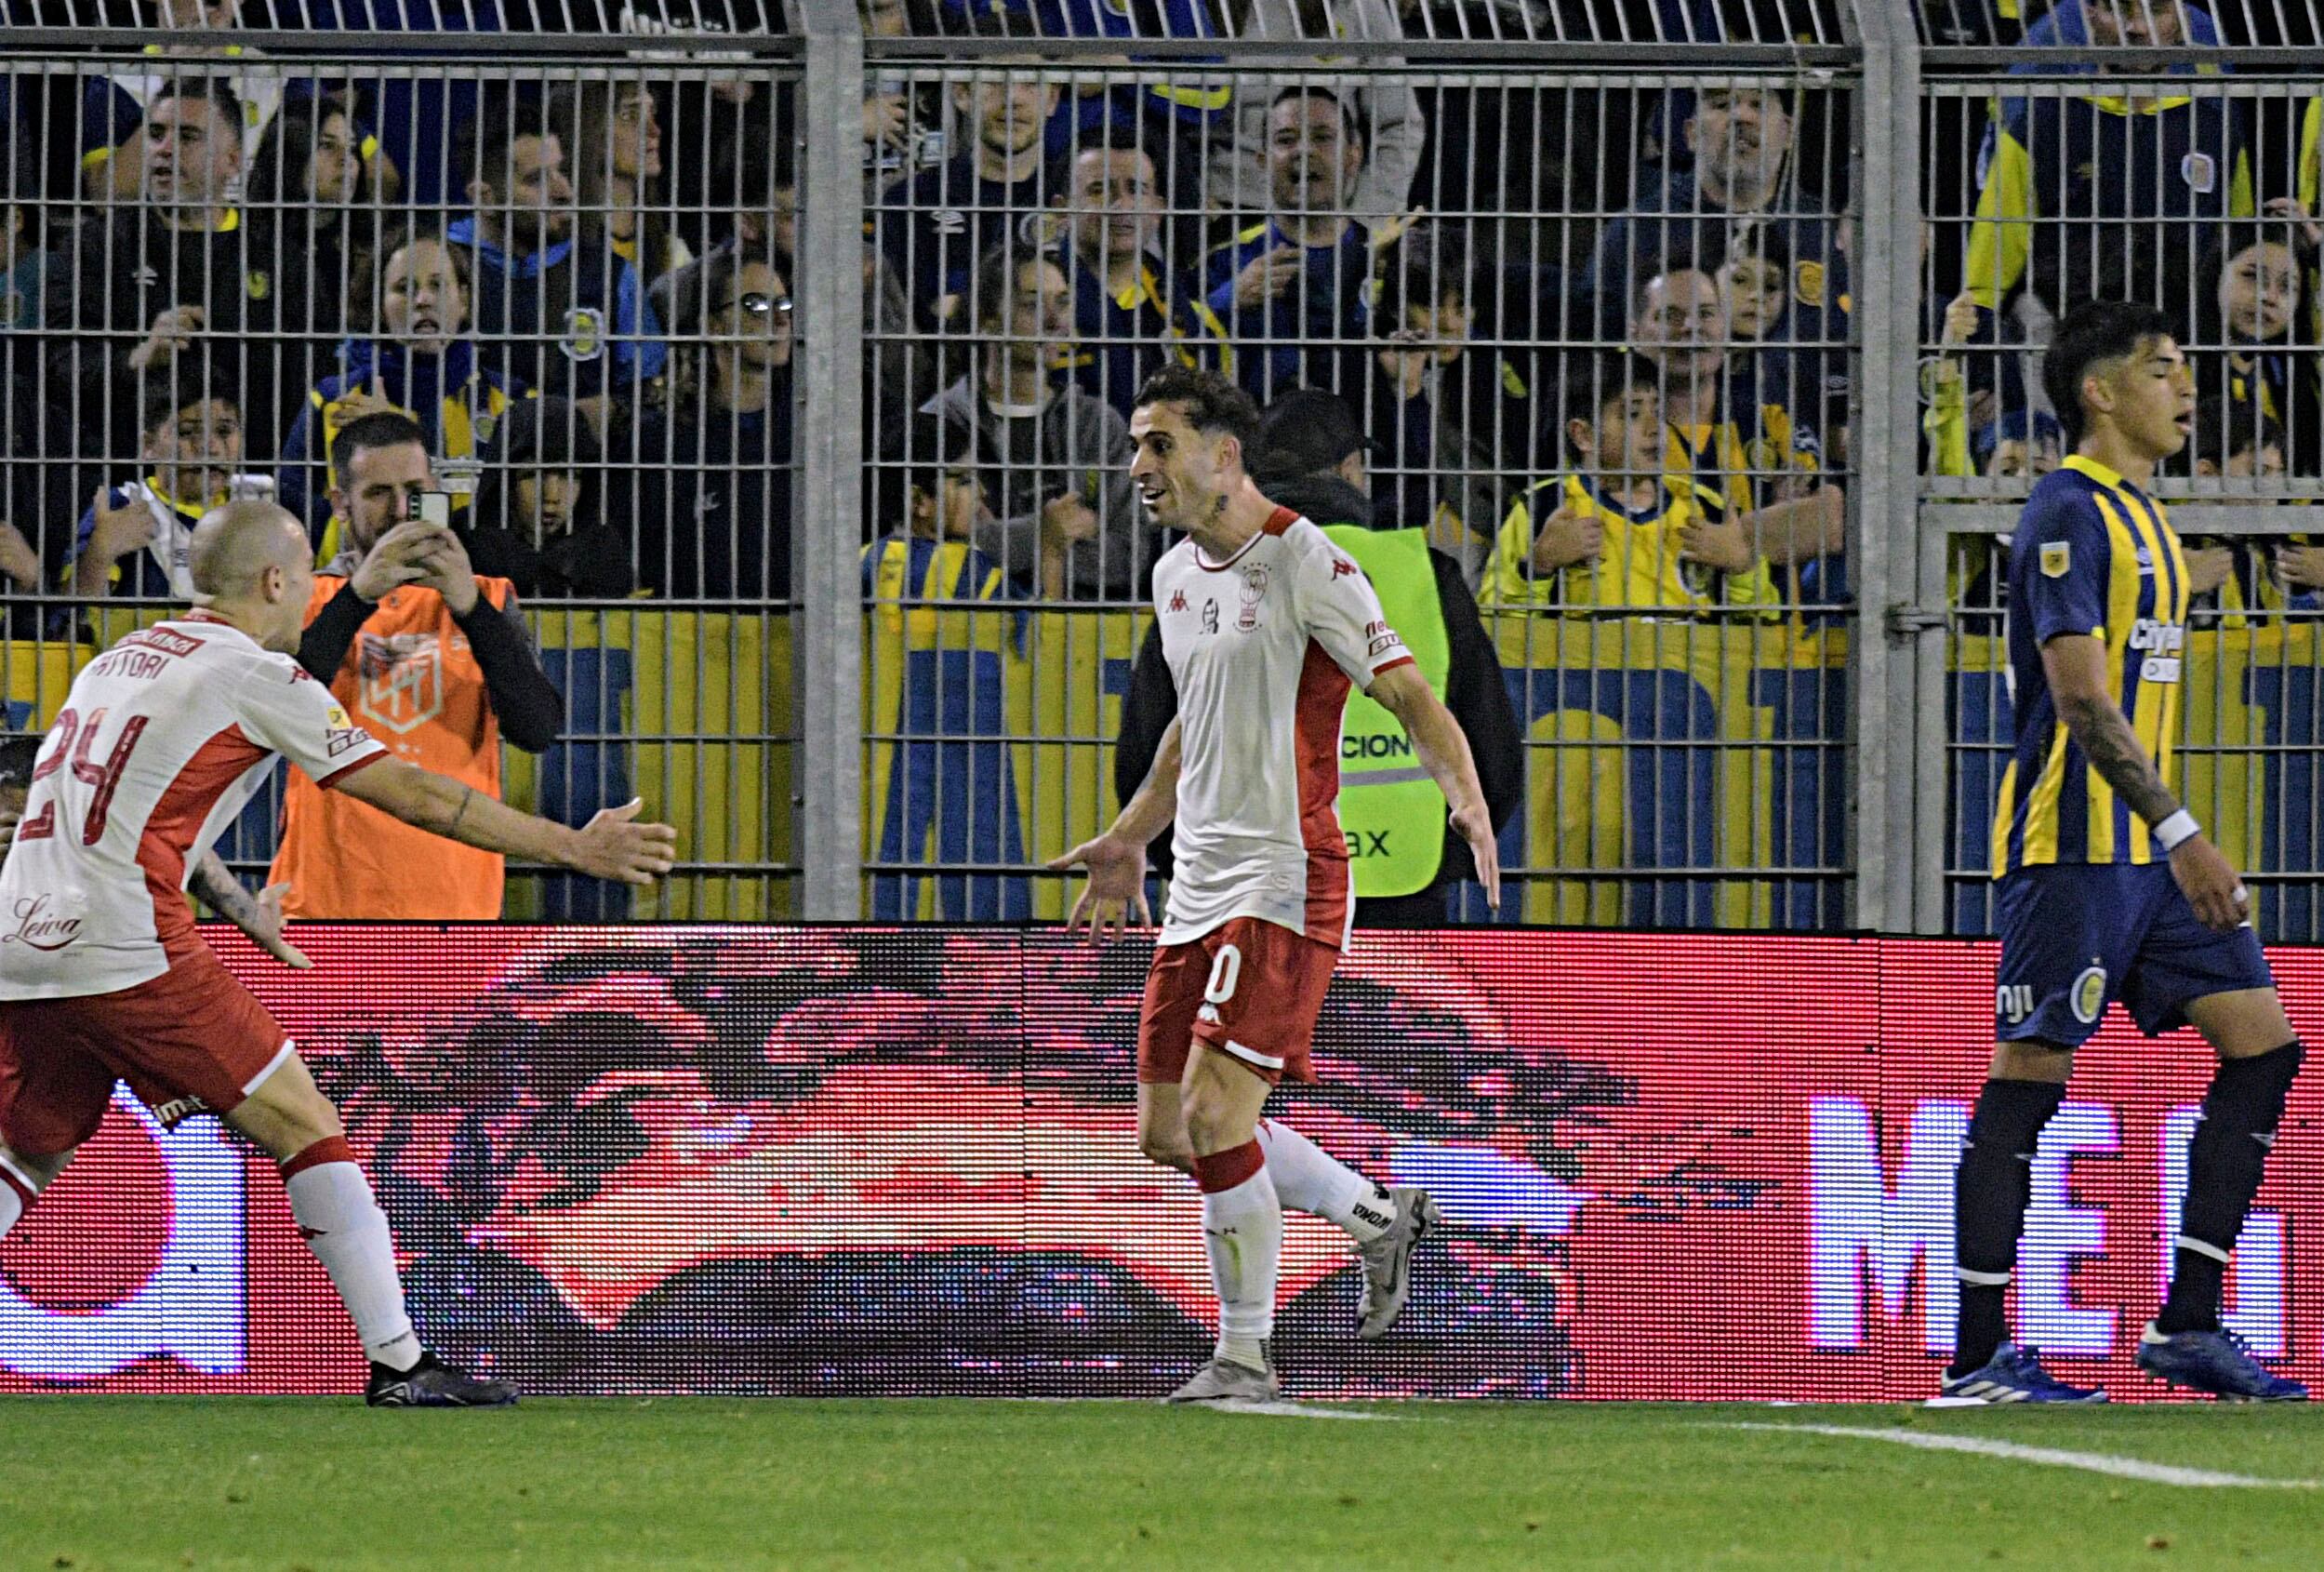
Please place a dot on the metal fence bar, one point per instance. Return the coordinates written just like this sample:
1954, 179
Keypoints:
1886, 671
830, 703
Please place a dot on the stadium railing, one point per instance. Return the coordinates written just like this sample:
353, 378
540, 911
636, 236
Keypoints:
1745, 763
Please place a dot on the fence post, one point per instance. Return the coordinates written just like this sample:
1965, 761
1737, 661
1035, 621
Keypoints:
827, 837
1897, 889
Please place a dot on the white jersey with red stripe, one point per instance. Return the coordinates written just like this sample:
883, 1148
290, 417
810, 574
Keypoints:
162, 742
1262, 648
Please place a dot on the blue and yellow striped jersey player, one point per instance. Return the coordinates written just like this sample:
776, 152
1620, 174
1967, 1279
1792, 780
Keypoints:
2108, 888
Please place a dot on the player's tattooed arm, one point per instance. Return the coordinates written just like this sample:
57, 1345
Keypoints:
2075, 665
2104, 736
258, 915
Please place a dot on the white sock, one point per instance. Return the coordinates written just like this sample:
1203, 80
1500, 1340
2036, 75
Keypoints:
344, 1227
1311, 1179
1243, 1229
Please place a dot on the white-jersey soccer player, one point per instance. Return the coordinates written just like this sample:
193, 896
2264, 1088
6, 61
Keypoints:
1265, 625
161, 742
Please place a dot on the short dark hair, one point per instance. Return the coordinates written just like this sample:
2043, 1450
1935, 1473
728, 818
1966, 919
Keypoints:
481, 153
1214, 403
1351, 117
164, 391
209, 90
18, 755
916, 458
750, 171
384, 428
1768, 242
2225, 427
2093, 331
1421, 269
1593, 382
994, 281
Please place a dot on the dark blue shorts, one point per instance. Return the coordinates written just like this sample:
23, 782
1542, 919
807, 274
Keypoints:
2076, 936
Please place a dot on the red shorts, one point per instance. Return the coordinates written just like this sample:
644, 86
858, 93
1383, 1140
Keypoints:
1248, 989
189, 1041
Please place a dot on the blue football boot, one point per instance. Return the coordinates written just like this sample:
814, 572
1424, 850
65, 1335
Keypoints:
2219, 1362
2012, 1375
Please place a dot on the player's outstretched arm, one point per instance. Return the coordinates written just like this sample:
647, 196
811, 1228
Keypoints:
1443, 749
1116, 860
258, 915
2075, 665
612, 846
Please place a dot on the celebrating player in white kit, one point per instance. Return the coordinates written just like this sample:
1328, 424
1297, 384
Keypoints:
161, 742
1265, 623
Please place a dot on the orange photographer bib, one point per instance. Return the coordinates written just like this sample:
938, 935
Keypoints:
411, 681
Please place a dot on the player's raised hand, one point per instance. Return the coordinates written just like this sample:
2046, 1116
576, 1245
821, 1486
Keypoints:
266, 929
1474, 825
2211, 884
1116, 892
615, 845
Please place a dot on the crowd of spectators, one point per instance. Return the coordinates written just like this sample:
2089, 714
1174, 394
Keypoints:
581, 292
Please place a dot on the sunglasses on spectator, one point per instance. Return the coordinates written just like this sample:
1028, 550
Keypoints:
755, 304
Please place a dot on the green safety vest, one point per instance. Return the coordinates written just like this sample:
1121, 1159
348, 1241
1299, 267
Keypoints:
1388, 805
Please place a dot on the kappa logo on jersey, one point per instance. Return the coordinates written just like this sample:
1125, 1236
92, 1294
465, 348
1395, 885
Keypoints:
1343, 569
402, 680
1177, 600
1255, 578
2058, 559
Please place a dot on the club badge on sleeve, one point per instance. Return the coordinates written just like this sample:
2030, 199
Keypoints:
2057, 558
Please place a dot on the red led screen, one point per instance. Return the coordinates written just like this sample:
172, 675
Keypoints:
775, 1160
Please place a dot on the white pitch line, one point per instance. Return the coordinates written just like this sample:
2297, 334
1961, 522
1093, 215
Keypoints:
1282, 1408
2093, 1463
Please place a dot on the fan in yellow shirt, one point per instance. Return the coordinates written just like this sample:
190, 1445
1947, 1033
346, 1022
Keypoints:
1619, 536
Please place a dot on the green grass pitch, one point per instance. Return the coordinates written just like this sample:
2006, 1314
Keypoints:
91, 1483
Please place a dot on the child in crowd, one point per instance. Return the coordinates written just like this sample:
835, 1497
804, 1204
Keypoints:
134, 538
1618, 535
2232, 576
2255, 338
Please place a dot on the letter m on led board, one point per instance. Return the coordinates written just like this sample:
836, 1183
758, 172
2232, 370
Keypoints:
1863, 1235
